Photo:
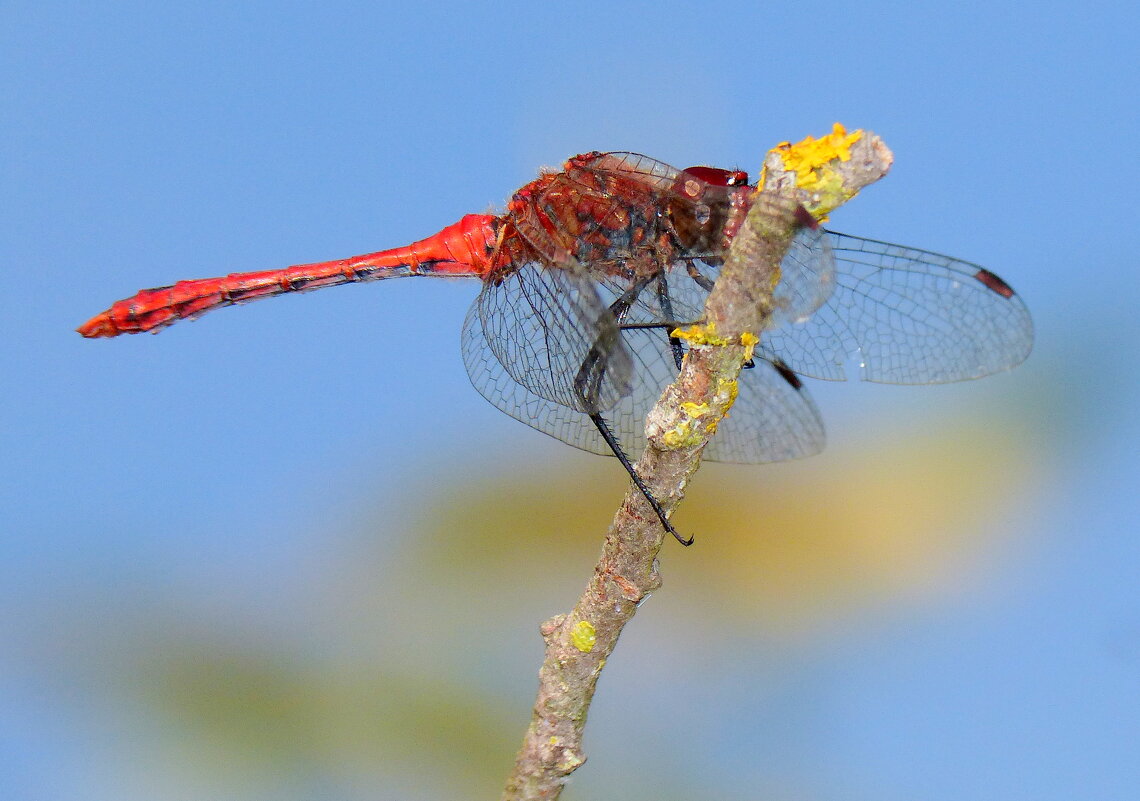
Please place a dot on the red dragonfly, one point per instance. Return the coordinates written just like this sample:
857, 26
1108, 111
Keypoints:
591, 268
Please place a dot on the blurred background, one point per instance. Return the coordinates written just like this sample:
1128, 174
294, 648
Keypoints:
286, 552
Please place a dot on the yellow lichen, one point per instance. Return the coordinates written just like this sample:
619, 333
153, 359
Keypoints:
727, 390
749, 341
680, 435
686, 433
583, 636
695, 409
698, 335
807, 157
813, 162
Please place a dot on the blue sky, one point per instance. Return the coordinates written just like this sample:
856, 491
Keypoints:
234, 468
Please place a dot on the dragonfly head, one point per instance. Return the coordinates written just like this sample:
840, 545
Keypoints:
703, 197
712, 176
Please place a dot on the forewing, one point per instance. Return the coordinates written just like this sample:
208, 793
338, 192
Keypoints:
907, 316
655, 175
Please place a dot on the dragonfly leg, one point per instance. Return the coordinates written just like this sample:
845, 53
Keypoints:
620, 307
703, 281
615, 446
587, 384
670, 324
667, 308
588, 381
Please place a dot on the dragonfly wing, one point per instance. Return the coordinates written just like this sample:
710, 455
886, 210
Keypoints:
505, 393
571, 425
548, 330
807, 280
807, 277
615, 168
773, 418
907, 316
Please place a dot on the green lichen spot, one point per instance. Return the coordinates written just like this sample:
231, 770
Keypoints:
583, 636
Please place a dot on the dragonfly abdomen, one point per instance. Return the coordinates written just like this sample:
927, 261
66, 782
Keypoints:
461, 249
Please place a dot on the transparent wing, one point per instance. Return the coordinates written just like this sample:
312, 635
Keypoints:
807, 277
907, 316
649, 171
547, 329
774, 418
807, 280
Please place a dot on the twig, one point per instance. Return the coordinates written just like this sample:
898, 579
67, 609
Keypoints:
817, 175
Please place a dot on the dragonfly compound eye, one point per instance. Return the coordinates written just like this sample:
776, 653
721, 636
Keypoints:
715, 176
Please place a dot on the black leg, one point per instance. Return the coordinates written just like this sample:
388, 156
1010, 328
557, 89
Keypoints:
667, 310
620, 307
588, 381
659, 324
615, 446
587, 384
702, 280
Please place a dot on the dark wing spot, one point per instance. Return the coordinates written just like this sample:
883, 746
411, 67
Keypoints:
787, 374
994, 283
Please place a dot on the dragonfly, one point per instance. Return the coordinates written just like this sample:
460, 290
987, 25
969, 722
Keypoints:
589, 271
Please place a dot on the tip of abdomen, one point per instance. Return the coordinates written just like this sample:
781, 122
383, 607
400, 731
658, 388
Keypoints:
100, 325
